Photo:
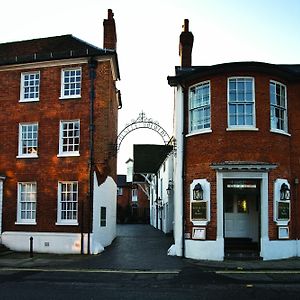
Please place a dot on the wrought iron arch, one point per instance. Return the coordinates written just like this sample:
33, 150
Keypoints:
142, 122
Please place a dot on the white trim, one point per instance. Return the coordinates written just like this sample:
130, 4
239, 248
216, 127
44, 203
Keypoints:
62, 89
206, 130
206, 198
276, 199
69, 154
1, 203
45, 64
280, 132
62, 153
26, 155
22, 99
62, 62
60, 221
238, 127
21, 221
189, 107
264, 216
286, 109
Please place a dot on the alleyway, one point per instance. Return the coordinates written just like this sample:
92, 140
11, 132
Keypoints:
137, 247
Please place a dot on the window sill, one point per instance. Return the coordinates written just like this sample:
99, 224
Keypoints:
67, 223
27, 156
208, 130
25, 223
69, 97
29, 100
239, 128
68, 155
280, 132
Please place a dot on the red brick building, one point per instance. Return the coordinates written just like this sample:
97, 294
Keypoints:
58, 125
237, 133
132, 201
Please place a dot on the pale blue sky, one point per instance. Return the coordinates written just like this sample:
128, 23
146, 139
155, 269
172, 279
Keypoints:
148, 34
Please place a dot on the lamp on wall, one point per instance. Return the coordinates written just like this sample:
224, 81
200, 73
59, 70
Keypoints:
198, 192
285, 193
170, 187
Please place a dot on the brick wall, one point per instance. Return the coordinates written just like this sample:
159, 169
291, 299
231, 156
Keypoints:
48, 169
262, 145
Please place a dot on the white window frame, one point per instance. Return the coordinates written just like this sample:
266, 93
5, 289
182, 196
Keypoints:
200, 107
76, 82
61, 152
246, 126
30, 206
35, 85
67, 221
20, 148
285, 108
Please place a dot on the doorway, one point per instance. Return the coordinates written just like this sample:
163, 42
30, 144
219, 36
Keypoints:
241, 217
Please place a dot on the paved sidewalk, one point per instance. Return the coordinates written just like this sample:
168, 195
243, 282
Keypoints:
137, 247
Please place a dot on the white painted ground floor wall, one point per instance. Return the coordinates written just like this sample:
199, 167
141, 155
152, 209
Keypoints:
63, 243
214, 249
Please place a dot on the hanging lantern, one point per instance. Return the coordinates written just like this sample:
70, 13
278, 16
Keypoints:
198, 192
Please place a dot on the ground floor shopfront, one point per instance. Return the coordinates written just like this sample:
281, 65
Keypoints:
248, 213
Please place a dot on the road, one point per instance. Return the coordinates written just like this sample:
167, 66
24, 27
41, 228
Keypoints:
136, 266
189, 283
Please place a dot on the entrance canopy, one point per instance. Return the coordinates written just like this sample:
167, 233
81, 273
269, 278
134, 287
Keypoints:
252, 166
148, 158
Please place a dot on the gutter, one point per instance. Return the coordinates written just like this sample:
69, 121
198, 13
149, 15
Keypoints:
183, 173
92, 75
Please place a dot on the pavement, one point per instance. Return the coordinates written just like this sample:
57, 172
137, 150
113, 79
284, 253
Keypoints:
137, 248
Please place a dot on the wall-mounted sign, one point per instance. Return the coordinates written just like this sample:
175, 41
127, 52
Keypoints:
199, 210
199, 233
283, 210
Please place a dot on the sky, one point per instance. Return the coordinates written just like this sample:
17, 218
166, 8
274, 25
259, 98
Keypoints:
148, 38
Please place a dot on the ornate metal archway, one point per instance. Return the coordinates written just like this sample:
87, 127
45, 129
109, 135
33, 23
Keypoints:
142, 122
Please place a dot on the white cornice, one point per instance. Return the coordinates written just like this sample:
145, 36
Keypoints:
45, 64
62, 62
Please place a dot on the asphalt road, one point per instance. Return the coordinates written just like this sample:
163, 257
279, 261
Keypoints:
186, 284
136, 266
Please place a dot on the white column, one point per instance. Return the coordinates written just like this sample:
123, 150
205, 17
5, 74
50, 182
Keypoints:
1, 201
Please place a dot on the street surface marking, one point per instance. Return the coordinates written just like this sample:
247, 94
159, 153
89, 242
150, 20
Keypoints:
258, 272
93, 271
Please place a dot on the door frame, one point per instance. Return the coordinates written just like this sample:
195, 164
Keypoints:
1, 203
263, 211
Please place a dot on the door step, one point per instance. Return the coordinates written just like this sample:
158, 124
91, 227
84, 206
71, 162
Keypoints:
242, 255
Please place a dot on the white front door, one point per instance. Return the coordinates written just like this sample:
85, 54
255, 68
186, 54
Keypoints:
237, 221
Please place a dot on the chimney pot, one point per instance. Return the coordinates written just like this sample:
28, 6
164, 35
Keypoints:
109, 28
186, 45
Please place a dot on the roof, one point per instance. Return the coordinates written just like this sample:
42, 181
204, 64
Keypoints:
148, 158
121, 181
190, 73
50, 48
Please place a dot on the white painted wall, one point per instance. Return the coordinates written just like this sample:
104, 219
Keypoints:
104, 195
44, 242
178, 164
1, 204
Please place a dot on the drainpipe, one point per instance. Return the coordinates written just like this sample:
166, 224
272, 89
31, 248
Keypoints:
92, 75
183, 173
296, 182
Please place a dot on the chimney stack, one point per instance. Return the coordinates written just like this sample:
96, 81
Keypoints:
109, 34
186, 45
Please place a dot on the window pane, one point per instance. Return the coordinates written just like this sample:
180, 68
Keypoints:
199, 106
